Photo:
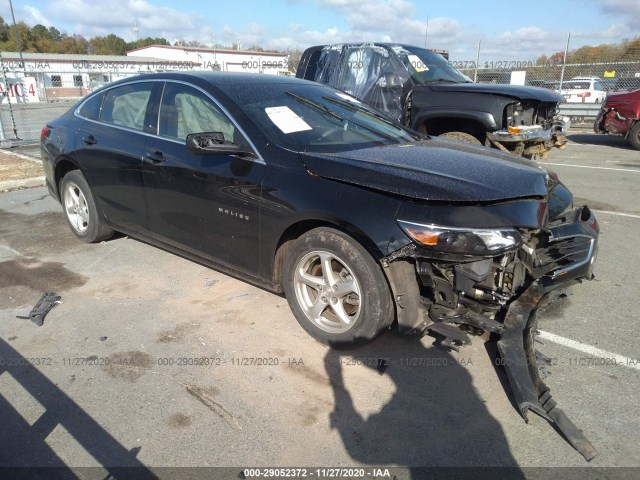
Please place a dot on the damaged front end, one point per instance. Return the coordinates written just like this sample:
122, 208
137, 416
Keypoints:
531, 128
452, 281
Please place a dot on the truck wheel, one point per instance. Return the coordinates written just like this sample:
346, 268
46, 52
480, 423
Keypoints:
336, 290
462, 137
634, 136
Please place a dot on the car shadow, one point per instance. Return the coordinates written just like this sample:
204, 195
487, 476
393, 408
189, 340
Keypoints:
435, 424
24, 451
600, 139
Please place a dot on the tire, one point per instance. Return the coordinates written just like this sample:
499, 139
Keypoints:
462, 137
634, 135
80, 209
343, 298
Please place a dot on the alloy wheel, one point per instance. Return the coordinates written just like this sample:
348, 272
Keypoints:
327, 291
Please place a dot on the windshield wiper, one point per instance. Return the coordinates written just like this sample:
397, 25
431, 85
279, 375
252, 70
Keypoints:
354, 107
317, 106
442, 80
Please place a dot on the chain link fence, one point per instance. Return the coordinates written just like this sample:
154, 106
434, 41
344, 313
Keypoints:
30, 98
612, 76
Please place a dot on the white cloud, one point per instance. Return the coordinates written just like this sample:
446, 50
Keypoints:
393, 20
90, 18
621, 7
628, 10
33, 16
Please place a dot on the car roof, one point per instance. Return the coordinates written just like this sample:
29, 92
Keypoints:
217, 78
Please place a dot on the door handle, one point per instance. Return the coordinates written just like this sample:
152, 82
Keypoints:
89, 140
155, 157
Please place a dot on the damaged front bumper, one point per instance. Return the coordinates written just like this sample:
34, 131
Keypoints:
445, 297
520, 362
531, 140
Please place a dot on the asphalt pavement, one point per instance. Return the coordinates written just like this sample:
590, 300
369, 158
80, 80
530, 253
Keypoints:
153, 361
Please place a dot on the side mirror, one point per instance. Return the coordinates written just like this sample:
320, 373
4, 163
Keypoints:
211, 143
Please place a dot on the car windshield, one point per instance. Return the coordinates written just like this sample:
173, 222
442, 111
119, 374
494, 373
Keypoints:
315, 118
426, 66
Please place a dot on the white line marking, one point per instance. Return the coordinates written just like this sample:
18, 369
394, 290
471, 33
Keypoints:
590, 350
630, 215
588, 166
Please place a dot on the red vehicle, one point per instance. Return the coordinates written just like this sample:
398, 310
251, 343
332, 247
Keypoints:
620, 115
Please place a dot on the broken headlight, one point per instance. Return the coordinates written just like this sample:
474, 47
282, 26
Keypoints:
464, 241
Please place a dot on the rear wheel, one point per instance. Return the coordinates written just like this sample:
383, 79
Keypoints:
634, 135
462, 137
80, 209
335, 289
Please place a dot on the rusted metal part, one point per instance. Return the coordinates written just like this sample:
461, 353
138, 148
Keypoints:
405, 251
519, 357
499, 146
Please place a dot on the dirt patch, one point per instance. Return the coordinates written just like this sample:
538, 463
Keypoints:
178, 333
33, 235
179, 420
129, 366
27, 279
15, 168
309, 374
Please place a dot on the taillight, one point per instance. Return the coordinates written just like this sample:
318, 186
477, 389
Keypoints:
45, 131
585, 94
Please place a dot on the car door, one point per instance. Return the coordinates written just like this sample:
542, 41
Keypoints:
109, 149
205, 204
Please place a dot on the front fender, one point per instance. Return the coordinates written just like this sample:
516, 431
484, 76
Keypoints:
423, 115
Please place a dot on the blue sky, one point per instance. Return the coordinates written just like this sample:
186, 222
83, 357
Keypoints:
509, 30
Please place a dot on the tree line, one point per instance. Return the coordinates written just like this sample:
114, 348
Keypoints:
627, 50
40, 39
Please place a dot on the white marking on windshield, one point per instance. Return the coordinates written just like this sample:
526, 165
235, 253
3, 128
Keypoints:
286, 119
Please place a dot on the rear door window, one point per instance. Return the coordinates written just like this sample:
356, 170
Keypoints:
126, 105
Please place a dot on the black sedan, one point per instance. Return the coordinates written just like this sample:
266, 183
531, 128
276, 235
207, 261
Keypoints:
301, 188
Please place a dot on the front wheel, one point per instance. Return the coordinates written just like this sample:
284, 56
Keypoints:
80, 209
336, 290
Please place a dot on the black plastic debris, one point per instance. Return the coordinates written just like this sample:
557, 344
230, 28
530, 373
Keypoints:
44, 306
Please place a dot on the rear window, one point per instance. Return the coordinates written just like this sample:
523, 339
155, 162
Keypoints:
576, 85
91, 107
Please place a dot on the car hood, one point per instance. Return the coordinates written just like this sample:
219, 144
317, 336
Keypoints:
516, 91
435, 170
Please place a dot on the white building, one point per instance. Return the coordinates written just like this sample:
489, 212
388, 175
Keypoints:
216, 59
47, 77
64, 75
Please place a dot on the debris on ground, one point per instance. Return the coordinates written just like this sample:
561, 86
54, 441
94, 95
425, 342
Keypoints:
44, 306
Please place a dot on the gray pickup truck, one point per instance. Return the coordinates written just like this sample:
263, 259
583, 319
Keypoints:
420, 89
